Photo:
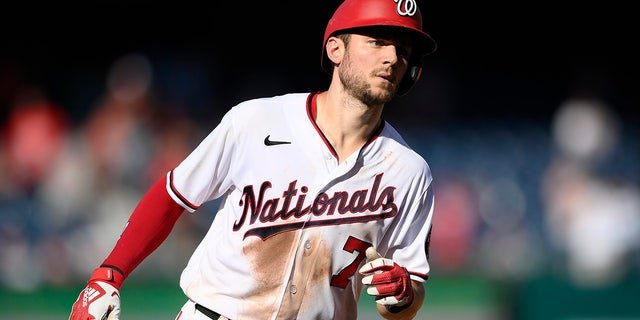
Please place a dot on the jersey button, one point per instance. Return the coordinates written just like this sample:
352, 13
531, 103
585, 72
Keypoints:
307, 244
293, 289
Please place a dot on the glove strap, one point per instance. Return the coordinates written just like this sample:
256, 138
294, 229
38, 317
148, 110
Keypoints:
109, 275
396, 309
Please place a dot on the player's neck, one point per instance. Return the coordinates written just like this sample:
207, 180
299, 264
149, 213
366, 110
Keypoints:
347, 124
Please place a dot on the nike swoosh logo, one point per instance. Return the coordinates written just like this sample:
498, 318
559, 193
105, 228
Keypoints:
268, 142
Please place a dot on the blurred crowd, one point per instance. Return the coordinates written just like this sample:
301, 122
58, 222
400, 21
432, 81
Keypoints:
68, 185
513, 198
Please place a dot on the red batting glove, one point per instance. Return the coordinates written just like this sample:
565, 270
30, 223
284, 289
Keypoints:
388, 281
100, 299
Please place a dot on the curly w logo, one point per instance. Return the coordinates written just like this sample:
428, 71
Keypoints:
406, 7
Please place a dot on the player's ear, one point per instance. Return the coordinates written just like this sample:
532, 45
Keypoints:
335, 49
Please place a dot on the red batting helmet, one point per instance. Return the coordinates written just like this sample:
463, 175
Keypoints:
404, 14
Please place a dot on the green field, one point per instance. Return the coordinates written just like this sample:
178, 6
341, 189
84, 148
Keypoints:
457, 298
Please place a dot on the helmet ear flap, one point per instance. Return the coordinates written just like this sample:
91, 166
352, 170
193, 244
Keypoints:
414, 72
410, 78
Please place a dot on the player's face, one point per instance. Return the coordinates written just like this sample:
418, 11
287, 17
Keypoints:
373, 66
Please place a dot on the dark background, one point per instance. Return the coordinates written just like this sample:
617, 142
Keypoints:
492, 52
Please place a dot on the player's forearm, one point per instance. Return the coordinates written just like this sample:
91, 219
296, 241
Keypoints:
149, 225
408, 312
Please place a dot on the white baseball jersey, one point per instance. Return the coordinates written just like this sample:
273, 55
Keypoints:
294, 224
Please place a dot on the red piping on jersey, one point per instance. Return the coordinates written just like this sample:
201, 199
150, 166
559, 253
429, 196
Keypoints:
312, 112
311, 102
179, 195
376, 133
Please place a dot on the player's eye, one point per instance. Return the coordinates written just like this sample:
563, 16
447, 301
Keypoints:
376, 43
402, 51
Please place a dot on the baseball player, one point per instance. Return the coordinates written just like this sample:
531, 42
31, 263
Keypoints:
321, 198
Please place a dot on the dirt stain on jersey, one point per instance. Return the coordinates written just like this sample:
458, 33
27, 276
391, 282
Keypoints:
322, 267
312, 268
267, 260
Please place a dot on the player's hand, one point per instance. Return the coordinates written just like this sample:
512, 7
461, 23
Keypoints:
388, 281
100, 299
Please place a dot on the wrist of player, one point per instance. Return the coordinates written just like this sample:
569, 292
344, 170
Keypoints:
100, 299
108, 274
388, 282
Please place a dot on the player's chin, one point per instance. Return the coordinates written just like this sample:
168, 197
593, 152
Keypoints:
388, 87
384, 93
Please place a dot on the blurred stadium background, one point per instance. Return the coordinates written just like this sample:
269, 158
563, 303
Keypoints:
527, 114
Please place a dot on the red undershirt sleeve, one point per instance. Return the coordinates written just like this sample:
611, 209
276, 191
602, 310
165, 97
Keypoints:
149, 225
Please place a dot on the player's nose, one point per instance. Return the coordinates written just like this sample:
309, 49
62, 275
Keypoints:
391, 54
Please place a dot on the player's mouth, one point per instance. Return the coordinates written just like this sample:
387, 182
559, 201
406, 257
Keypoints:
385, 75
388, 80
